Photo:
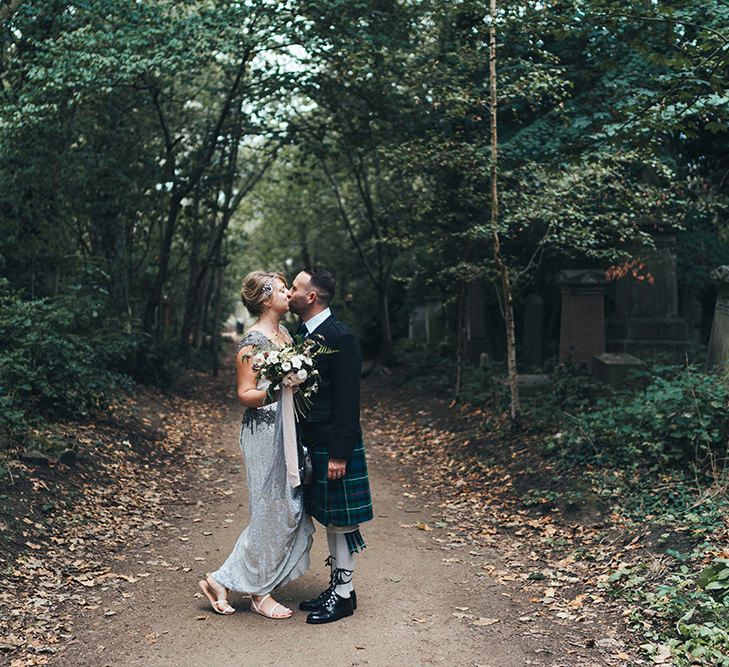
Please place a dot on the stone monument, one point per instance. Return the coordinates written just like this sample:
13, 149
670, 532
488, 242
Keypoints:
478, 340
532, 340
615, 368
426, 323
582, 322
717, 357
646, 317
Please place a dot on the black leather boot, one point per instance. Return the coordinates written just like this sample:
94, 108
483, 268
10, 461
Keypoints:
315, 603
318, 601
334, 607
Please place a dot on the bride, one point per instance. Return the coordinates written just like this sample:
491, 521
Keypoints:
274, 547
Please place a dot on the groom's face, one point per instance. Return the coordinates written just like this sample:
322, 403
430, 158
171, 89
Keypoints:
301, 296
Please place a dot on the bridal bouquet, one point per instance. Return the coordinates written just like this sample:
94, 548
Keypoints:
292, 366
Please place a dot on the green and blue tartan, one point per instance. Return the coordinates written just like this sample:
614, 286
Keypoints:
341, 502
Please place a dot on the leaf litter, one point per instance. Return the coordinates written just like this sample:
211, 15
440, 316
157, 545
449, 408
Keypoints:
65, 530
472, 488
63, 526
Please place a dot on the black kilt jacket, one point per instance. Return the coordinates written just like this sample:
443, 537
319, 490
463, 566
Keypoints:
333, 419
331, 429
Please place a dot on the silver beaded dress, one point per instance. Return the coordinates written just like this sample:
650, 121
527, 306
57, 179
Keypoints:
274, 547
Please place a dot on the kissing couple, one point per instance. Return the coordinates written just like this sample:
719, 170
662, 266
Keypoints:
274, 548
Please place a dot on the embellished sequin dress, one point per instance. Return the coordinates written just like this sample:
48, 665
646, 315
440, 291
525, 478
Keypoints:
274, 547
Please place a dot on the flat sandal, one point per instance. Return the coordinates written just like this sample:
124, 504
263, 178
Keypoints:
257, 608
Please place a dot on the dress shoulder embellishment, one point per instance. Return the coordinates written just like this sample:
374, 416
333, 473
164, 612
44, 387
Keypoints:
255, 338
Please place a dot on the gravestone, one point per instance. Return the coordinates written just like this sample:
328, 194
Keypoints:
426, 323
530, 384
646, 317
532, 340
434, 325
582, 321
416, 325
613, 368
717, 357
477, 336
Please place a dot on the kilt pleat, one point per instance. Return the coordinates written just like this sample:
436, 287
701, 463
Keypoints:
342, 502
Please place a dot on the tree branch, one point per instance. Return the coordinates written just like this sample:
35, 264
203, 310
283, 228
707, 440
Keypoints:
347, 222
9, 8
662, 19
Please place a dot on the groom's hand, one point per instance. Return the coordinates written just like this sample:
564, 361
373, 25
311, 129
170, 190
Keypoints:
337, 468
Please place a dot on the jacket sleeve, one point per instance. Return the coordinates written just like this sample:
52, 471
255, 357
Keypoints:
346, 368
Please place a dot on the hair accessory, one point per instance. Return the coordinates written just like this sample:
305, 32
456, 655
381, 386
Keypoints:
267, 289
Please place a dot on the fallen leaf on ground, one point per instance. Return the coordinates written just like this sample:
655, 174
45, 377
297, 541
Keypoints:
483, 622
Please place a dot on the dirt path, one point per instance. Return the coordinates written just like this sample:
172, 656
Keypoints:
419, 604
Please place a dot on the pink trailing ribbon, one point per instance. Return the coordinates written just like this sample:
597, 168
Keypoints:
288, 421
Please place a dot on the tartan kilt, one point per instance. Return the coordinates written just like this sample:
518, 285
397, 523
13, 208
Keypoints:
341, 502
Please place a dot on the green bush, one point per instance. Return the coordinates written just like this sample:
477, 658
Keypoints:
58, 358
681, 416
684, 614
438, 366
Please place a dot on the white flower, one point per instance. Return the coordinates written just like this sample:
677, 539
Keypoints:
285, 366
292, 379
296, 361
258, 358
302, 374
273, 357
308, 361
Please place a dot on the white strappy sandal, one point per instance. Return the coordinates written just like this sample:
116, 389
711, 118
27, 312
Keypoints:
220, 606
258, 609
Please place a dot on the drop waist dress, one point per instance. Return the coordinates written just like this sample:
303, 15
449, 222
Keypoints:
274, 548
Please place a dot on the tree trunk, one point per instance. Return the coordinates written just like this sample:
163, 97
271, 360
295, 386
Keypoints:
113, 244
386, 332
192, 293
192, 296
460, 340
9, 9
214, 329
515, 407
201, 323
153, 307
304, 245
181, 189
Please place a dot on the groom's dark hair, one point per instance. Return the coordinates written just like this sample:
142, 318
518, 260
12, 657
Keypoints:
323, 283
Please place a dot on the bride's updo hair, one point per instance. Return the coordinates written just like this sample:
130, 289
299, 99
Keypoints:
257, 289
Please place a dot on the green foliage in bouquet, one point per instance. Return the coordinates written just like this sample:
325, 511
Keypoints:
291, 366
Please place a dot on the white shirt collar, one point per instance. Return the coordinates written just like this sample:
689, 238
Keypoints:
313, 322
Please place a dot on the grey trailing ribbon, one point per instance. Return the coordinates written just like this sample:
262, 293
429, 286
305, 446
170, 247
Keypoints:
288, 422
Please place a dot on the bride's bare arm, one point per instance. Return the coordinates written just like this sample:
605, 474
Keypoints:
246, 380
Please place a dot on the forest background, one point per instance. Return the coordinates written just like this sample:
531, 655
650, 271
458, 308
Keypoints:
151, 153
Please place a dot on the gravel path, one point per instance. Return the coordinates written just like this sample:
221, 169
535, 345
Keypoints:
421, 601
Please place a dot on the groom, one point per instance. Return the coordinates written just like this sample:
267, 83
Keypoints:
339, 494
